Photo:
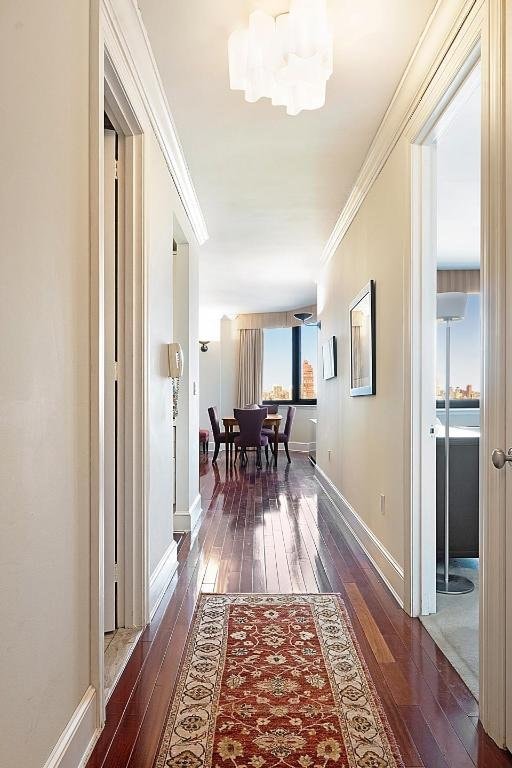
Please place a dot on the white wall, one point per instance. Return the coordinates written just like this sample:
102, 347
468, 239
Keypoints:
218, 373
44, 374
160, 320
229, 337
186, 314
209, 382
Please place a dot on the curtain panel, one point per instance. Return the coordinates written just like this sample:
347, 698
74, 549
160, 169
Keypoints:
460, 280
250, 366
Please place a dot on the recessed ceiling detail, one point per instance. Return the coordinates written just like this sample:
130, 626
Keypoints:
287, 59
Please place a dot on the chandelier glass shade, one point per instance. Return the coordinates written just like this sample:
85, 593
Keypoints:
287, 59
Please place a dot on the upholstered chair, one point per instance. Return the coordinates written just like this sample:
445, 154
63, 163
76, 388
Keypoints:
284, 436
250, 421
219, 437
271, 409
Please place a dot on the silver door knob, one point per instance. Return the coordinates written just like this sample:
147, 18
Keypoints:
500, 458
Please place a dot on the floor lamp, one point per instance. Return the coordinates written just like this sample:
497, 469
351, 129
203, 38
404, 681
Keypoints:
450, 308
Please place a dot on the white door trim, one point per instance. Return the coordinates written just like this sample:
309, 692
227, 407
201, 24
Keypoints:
112, 85
483, 29
423, 288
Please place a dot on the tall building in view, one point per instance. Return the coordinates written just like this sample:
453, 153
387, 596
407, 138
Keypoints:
308, 381
278, 392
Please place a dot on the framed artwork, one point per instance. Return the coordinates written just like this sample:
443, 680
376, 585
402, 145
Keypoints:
329, 363
362, 342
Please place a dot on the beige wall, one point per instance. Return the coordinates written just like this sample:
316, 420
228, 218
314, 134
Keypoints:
45, 415
365, 434
44, 373
160, 318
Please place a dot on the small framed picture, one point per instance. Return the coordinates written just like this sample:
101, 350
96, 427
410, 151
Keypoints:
362, 342
329, 362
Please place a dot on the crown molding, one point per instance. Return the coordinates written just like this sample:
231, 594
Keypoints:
125, 22
442, 27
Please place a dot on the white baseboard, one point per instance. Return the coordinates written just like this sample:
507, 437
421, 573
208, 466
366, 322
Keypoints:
300, 447
382, 560
211, 446
161, 576
294, 446
184, 522
78, 737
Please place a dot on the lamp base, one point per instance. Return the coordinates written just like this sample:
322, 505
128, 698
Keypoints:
456, 585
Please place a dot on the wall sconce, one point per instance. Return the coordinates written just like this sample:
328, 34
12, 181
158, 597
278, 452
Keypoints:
304, 317
204, 346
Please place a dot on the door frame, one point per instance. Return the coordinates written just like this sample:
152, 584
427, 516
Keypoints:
483, 33
423, 337
114, 90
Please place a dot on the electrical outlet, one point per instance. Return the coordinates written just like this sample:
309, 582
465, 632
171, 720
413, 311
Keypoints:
382, 504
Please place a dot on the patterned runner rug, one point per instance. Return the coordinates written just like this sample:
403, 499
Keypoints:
275, 680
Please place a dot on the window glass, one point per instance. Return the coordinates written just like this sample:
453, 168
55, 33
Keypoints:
308, 361
465, 355
277, 364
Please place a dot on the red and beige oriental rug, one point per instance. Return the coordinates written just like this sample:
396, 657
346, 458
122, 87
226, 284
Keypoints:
272, 681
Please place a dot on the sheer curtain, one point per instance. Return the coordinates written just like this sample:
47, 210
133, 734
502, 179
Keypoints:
250, 366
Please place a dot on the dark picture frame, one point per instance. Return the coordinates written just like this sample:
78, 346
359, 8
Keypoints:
329, 359
362, 342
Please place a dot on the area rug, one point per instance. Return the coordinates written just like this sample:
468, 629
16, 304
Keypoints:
275, 680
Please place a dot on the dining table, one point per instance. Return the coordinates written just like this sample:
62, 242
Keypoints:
272, 421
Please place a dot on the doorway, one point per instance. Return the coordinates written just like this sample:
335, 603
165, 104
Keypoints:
119, 639
451, 378
449, 182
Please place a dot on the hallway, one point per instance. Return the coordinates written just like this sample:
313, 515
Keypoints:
276, 531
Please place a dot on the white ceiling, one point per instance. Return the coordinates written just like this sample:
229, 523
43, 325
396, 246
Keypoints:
458, 186
271, 186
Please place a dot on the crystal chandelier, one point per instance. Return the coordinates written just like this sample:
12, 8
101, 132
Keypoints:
287, 59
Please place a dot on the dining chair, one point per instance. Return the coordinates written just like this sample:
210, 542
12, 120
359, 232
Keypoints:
219, 437
250, 421
284, 436
271, 409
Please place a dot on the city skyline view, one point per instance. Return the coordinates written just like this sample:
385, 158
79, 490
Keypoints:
277, 363
465, 354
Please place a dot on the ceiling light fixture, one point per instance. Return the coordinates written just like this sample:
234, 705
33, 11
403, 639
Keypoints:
287, 59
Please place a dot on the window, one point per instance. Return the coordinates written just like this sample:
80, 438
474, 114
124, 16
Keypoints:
290, 364
308, 359
465, 357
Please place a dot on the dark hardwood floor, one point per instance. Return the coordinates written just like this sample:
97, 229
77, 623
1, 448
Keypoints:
275, 531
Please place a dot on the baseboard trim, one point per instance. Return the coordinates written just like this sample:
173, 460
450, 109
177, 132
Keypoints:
293, 445
185, 522
300, 447
78, 737
161, 576
382, 560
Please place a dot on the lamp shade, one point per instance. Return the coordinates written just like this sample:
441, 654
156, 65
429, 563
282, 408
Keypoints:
451, 306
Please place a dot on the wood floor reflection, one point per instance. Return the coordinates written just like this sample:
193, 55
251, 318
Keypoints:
275, 531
